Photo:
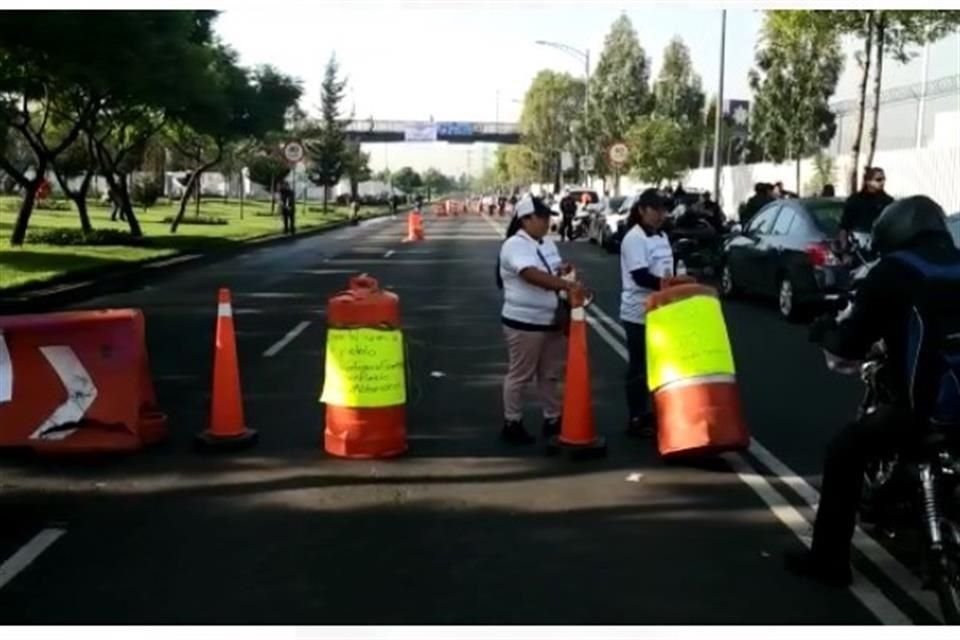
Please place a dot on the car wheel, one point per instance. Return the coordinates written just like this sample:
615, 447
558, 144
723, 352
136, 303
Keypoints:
728, 287
787, 300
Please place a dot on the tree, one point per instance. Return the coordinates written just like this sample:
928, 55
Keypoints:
49, 70
78, 160
239, 106
798, 65
328, 150
267, 169
435, 182
356, 166
553, 102
658, 149
407, 180
678, 94
619, 92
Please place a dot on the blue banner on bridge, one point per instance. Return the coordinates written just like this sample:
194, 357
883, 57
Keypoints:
455, 129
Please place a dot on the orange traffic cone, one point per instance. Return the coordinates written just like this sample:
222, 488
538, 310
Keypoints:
578, 434
227, 430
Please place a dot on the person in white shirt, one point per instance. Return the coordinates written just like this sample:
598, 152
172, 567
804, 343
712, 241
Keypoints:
529, 272
646, 259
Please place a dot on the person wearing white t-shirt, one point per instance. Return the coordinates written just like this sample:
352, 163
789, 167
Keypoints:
646, 259
529, 271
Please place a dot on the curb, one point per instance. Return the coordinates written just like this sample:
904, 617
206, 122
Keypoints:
76, 287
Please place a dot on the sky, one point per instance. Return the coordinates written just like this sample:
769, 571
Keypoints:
471, 60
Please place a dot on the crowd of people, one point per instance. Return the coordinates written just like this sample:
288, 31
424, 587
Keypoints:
917, 277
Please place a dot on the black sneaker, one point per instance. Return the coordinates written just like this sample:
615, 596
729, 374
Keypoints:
551, 427
514, 433
805, 565
640, 428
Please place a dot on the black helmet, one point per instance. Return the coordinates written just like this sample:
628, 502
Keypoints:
904, 220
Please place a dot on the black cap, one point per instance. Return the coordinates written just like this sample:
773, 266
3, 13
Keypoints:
652, 199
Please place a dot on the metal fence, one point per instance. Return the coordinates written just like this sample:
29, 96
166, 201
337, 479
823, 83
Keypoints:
911, 116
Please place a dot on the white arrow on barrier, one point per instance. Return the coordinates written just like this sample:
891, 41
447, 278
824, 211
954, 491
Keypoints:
81, 392
6, 372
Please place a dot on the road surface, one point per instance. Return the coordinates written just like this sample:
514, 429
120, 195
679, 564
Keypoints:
464, 529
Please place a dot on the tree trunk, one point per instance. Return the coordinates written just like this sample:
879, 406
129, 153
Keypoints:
877, 85
354, 188
197, 188
79, 198
273, 195
26, 209
118, 185
861, 107
184, 200
325, 198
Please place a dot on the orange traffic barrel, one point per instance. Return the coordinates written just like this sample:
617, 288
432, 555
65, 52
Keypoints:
364, 385
691, 373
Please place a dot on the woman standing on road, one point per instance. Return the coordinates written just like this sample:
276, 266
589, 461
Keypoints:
529, 272
646, 259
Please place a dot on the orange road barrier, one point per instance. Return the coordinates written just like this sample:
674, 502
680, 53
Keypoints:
691, 373
77, 383
227, 429
414, 226
578, 435
364, 386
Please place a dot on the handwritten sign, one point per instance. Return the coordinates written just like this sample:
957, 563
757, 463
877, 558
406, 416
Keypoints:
687, 339
364, 368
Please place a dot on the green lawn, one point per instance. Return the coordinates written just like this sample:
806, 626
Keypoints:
36, 262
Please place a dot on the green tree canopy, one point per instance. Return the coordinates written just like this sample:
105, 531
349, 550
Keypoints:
553, 102
328, 150
658, 149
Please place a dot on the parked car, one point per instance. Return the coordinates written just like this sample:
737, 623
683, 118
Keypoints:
604, 222
786, 252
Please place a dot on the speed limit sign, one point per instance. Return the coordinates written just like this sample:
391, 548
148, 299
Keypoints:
293, 152
618, 154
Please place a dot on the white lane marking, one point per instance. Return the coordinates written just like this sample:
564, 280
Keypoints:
865, 591
389, 253
609, 339
172, 261
607, 320
868, 546
6, 372
287, 339
81, 392
495, 226
871, 597
29, 552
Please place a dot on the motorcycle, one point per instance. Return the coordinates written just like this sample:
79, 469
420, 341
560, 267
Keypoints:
697, 242
917, 487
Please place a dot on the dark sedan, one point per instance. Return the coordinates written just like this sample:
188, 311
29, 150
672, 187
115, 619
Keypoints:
785, 253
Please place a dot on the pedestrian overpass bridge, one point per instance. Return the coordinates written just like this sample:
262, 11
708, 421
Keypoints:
428, 131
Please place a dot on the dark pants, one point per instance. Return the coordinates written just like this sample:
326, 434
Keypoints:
566, 228
848, 453
638, 395
289, 221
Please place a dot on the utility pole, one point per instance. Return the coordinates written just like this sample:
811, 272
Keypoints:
719, 114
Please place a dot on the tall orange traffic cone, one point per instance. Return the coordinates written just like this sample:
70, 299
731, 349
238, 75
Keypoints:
578, 435
227, 430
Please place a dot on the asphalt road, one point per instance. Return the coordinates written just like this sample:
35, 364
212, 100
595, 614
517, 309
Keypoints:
463, 529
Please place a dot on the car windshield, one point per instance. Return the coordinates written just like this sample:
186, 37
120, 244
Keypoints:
826, 215
616, 202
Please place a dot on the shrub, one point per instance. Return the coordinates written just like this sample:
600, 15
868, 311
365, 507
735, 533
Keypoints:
51, 205
76, 237
198, 220
146, 192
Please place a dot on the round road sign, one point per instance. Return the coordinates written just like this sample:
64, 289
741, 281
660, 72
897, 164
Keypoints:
618, 153
293, 152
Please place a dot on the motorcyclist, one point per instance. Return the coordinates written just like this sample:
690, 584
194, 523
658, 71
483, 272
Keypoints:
915, 284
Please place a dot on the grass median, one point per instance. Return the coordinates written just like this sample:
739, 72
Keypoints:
36, 262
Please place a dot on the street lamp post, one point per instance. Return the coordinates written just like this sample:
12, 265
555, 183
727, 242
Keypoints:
585, 57
719, 113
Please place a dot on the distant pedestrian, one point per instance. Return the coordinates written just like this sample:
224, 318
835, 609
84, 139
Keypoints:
355, 211
288, 208
862, 209
568, 209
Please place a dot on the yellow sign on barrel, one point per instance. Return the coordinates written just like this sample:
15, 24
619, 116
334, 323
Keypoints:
687, 339
364, 368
